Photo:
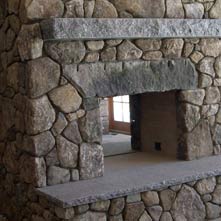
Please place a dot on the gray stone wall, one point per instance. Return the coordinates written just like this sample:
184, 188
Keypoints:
50, 135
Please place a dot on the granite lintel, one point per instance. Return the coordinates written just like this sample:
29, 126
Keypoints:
66, 29
149, 177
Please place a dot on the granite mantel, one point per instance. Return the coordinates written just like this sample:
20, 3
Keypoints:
127, 28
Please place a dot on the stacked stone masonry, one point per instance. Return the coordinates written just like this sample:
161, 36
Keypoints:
50, 134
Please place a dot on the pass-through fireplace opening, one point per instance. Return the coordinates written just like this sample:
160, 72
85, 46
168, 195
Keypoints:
145, 122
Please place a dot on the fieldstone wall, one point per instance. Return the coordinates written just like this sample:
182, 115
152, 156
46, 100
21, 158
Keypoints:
51, 134
195, 201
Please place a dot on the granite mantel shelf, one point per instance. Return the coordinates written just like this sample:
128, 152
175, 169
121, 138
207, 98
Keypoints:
131, 174
89, 29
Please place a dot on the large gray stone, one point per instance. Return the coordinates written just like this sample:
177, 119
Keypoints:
141, 8
212, 211
150, 198
30, 42
194, 10
174, 9
188, 205
155, 212
167, 198
206, 186
74, 29
210, 47
67, 152
117, 78
39, 145
90, 126
39, 115
91, 161
66, 98
195, 97
41, 9
133, 211
72, 133
43, 76
117, 206
199, 142
206, 66
66, 52
57, 175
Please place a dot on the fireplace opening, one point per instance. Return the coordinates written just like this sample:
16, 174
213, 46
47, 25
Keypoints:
145, 122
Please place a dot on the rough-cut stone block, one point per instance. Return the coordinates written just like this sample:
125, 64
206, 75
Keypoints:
72, 133
174, 9
90, 127
66, 98
39, 115
30, 42
183, 210
38, 145
75, 29
133, 211
210, 47
199, 142
91, 161
150, 198
32, 170
215, 11
117, 78
43, 76
206, 186
62, 213
67, 152
57, 175
117, 206
104, 9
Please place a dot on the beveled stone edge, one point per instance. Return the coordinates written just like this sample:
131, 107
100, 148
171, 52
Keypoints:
126, 192
64, 29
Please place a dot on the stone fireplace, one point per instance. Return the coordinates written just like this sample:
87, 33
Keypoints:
56, 66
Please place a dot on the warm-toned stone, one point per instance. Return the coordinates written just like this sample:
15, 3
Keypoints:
89, 8
182, 209
13, 6
205, 81
195, 97
141, 8
75, 176
172, 48
218, 66
74, 9
92, 216
39, 145
210, 47
30, 42
206, 66
167, 197
196, 56
101, 206
155, 212
59, 124
41, 9
92, 57
133, 198
104, 9
133, 211
174, 9
109, 54
152, 55
166, 216
67, 152
199, 142
32, 170
66, 98
206, 186
148, 44
215, 11
66, 52
194, 10
90, 126
117, 206
217, 195
43, 76
212, 95
72, 133
145, 217
212, 211
39, 115
95, 45
150, 198
57, 175
188, 49
91, 161
64, 213
128, 51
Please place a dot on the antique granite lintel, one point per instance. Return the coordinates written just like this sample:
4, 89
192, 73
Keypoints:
127, 28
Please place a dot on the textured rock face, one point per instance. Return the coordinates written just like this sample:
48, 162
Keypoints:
30, 42
117, 206
133, 211
40, 9
174, 9
43, 76
67, 152
74, 8
57, 175
146, 77
182, 209
66, 98
91, 161
39, 115
66, 52
194, 10
104, 9
215, 11
72, 133
199, 141
211, 47
206, 186
141, 8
